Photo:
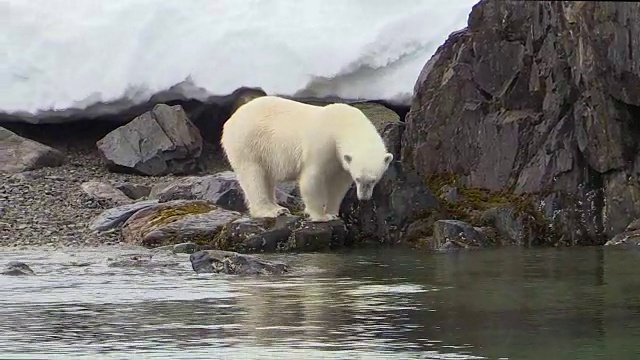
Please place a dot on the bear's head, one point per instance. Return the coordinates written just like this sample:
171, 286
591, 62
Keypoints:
366, 170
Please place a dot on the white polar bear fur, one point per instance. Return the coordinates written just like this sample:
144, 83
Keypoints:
325, 148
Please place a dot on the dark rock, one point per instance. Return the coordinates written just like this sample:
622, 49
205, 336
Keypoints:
460, 233
112, 218
627, 239
175, 222
159, 142
227, 262
635, 225
398, 199
133, 191
18, 154
284, 233
540, 98
221, 189
512, 227
17, 268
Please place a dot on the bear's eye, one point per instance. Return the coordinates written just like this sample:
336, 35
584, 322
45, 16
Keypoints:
358, 180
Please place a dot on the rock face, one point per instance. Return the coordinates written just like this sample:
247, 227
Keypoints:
19, 154
159, 142
540, 99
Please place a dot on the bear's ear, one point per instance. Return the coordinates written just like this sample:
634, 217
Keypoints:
347, 159
388, 157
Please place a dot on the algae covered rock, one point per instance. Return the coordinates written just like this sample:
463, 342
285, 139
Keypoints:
177, 221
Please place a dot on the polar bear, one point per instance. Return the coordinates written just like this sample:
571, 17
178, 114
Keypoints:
271, 139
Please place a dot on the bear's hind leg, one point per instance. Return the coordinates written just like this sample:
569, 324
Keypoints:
314, 195
257, 187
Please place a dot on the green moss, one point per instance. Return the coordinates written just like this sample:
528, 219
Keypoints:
473, 202
174, 213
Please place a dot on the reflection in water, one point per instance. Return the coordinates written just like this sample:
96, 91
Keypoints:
509, 304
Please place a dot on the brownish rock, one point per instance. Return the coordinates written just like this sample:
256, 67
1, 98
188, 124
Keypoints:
176, 222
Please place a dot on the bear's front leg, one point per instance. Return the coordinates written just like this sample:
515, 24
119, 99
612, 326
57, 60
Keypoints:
340, 183
314, 195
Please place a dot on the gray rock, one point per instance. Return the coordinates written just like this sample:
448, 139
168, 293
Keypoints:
112, 218
18, 154
102, 191
133, 191
144, 261
227, 262
17, 268
512, 227
450, 193
221, 189
531, 97
460, 233
159, 142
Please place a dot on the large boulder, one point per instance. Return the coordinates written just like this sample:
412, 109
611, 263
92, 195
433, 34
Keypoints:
159, 142
18, 154
538, 99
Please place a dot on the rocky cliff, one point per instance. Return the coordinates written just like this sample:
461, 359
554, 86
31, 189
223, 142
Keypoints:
540, 100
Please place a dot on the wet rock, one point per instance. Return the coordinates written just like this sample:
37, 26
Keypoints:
18, 154
17, 268
176, 221
227, 262
185, 248
105, 192
460, 233
159, 142
114, 217
627, 239
539, 98
133, 191
221, 189
284, 233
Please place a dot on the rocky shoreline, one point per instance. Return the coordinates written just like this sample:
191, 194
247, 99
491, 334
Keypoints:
523, 130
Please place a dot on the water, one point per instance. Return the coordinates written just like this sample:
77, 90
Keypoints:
378, 304
56, 54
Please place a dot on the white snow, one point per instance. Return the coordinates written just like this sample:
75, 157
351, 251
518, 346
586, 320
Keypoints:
61, 54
